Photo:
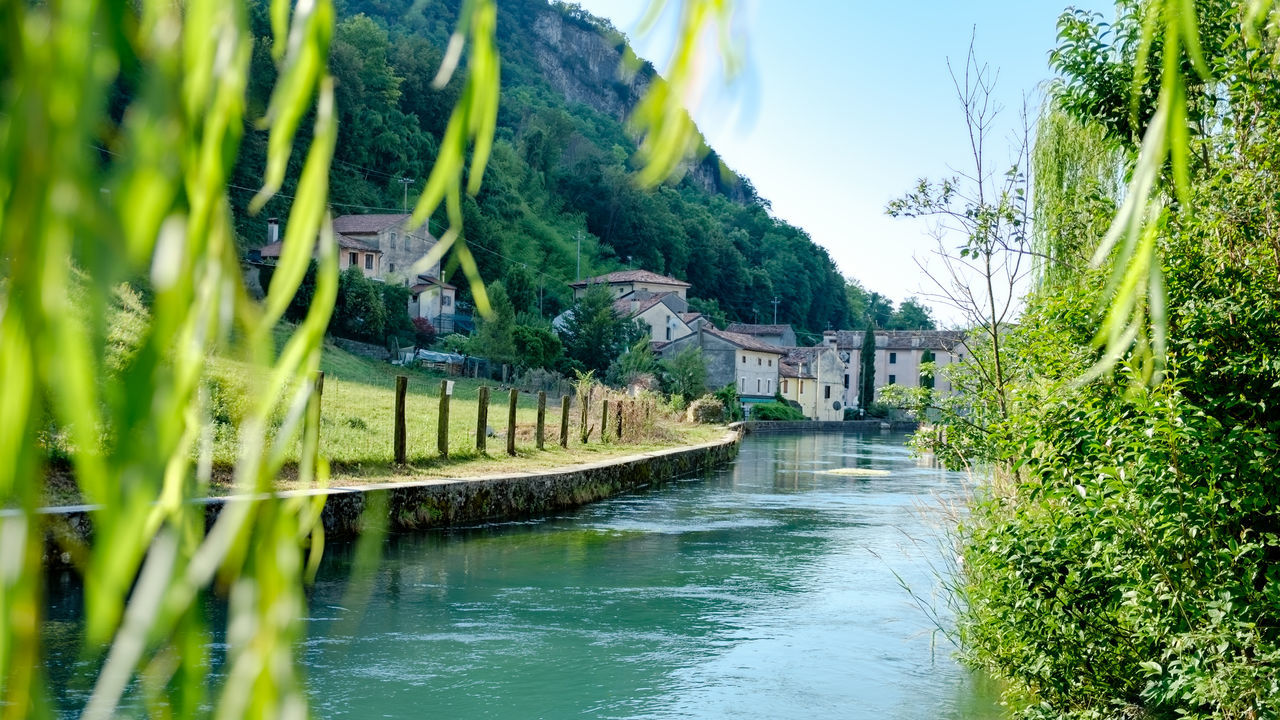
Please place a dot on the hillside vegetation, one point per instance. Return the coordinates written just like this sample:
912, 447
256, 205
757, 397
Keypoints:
561, 171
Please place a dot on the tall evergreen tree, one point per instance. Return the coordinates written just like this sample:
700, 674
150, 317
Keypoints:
867, 388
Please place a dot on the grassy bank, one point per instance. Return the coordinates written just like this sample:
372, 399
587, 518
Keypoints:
357, 424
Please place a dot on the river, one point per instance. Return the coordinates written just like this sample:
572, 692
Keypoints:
766, 589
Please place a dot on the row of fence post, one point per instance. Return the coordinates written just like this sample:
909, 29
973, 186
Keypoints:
482, 419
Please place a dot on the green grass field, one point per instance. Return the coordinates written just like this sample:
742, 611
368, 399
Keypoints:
358, 419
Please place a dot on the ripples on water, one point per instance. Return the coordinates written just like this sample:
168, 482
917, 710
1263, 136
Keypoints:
764, 590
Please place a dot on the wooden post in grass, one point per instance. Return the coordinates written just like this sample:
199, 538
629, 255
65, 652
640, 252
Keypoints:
617, 425
482, 417
585, 429
442, 430
402, 386
604, 419
511, 422
311, 428
541, 432
564, 421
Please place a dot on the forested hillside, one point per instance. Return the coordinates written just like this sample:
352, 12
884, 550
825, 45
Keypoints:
561, 170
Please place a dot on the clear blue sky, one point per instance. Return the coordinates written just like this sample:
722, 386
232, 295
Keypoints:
849, 103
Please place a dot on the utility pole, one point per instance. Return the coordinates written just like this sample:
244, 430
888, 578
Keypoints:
775, 302
405, 182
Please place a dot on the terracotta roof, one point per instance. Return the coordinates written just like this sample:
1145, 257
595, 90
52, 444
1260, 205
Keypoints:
370, 224
433, 280
344, 243
788, 370
749, 329
627, 276
746, 342
622, 305
689, 316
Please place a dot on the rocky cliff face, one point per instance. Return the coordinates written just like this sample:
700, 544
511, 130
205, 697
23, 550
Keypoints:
584, 63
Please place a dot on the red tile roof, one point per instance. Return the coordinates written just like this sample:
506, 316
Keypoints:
629, 276
749, 329
622, 305
746, 342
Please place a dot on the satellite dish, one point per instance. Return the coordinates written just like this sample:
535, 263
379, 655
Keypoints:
835, 405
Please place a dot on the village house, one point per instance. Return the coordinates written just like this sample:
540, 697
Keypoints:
813, 377
779, 335
732, 358
385, 249
899, 355
625, 282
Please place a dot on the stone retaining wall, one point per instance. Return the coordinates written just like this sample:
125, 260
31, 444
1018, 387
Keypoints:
423, 504
779, 426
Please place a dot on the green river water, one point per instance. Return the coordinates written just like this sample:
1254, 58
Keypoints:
765, 589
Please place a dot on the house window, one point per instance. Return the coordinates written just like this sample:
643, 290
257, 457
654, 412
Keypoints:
446, 301
893, 358
801, 387
742, 384
757, 385
846, 381
353, 259
759, 361
893, 379
393, 239
770, 362
768, 386
744, 359
393, 267
826, 392
668, 332
368, 261
784, 386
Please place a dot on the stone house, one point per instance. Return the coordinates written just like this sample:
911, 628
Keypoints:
813, 377
732, 358
625, 282
899, 355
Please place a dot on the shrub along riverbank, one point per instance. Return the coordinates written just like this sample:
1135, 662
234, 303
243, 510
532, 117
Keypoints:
1125, 560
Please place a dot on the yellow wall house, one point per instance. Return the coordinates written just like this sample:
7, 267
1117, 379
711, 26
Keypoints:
814, 378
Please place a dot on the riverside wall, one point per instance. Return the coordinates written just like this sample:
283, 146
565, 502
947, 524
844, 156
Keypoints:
450, 502
855, 426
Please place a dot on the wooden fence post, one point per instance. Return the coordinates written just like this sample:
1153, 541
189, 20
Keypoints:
585, 429
564, 421
482, 417
511, 422
402, 386
542, 420
442, 429
310, 458
604, 419
617, 425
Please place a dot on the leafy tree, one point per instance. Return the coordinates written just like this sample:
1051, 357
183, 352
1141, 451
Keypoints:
594, 334
879, 310
710, 309
537, 346
358, 312
636, 365
911, 315
522, 289
495, 335
395, 298
685, 373
424, 333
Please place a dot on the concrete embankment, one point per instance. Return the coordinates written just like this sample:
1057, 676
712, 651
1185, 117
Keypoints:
857, 426
445, 502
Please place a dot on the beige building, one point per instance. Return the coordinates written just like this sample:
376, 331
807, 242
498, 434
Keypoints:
813, 377
750, 365
899, 355
625, 282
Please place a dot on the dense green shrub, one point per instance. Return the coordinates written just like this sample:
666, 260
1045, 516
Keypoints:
775, 411
706, 409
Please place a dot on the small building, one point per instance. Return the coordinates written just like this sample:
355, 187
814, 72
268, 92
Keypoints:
625, 282
400, 246
813, 377
661, 312
435, 300
352, 251
899, 355
732, 358
779, 335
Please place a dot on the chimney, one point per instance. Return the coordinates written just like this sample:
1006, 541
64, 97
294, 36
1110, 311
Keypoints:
273, 230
